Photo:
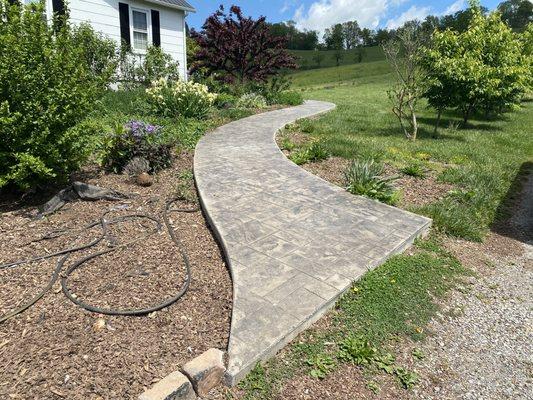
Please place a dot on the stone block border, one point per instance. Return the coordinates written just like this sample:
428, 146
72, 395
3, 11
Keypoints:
196, 378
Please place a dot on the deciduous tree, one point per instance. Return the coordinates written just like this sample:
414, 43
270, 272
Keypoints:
238, 48
402, 52
481, 69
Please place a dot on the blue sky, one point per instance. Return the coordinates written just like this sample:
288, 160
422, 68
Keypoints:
319, 14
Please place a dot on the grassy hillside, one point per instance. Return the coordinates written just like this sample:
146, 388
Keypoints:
305, 57
376, 70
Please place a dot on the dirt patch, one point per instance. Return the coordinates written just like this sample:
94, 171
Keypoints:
340, 386
331, 170
57, 350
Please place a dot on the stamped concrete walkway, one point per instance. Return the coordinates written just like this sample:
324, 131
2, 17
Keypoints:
293, 241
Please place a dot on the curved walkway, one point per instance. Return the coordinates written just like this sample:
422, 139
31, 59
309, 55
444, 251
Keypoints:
293, 241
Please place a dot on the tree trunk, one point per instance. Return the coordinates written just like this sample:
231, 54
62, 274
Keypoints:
437, 123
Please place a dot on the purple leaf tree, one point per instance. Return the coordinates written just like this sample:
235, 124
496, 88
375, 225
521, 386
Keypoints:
239, 49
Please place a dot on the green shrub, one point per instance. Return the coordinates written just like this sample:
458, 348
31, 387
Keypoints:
138, 139
225, 100
365, 178
251, 100
175, 98
136, 70
100, 52
288, 98
357, 350
414, 169
485, 68
46, 88
317, 152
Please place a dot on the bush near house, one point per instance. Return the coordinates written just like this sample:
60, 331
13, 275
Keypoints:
235, 48
174, 98
136, 70
49, 81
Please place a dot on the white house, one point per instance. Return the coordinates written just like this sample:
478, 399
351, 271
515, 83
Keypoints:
139, 23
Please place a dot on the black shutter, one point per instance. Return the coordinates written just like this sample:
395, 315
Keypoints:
156, 29
58, 7
124, 13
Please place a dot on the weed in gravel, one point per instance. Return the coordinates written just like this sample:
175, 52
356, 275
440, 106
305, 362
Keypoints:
418, 353
407, 378
299, 157
321, 365
287, 144
373, 387
184, 188
357, 350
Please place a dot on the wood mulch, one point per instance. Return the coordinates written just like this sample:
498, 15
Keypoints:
56, 350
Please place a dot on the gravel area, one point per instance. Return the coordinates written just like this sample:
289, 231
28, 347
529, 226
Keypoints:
57, 350
482, 346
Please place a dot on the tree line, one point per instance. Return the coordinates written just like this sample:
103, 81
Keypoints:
349, 35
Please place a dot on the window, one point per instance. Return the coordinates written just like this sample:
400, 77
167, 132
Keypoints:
140, 29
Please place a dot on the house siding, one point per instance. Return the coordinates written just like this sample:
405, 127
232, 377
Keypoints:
103, 15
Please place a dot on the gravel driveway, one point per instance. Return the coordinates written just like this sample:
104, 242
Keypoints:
484, 349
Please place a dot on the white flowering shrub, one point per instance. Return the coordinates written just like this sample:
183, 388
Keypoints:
174, 98
251, 100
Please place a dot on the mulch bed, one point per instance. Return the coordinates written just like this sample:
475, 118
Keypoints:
415, 191
57, 350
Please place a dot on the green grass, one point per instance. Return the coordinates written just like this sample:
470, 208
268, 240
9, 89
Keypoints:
305, 57
326, 78
482, 160
394, 300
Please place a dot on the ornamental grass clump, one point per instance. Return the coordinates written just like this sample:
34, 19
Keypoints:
252, 100
178, 98
365, 178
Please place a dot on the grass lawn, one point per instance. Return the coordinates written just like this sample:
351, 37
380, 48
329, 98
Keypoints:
482, 159
305, 57
397, 299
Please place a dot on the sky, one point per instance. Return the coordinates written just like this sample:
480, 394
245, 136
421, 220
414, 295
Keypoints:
321, 14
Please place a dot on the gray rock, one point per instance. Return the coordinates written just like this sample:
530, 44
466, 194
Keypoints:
175, 386
206, 371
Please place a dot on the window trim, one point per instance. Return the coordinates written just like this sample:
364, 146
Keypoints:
146, 12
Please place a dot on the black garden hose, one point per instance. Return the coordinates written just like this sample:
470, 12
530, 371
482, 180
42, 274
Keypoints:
103, 223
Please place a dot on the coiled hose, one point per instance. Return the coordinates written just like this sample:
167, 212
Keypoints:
104, 224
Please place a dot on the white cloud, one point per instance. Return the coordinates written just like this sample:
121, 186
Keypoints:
414, 12
323, 13
457, 6
287, 5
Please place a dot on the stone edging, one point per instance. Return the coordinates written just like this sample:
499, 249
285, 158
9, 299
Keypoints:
195, 379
